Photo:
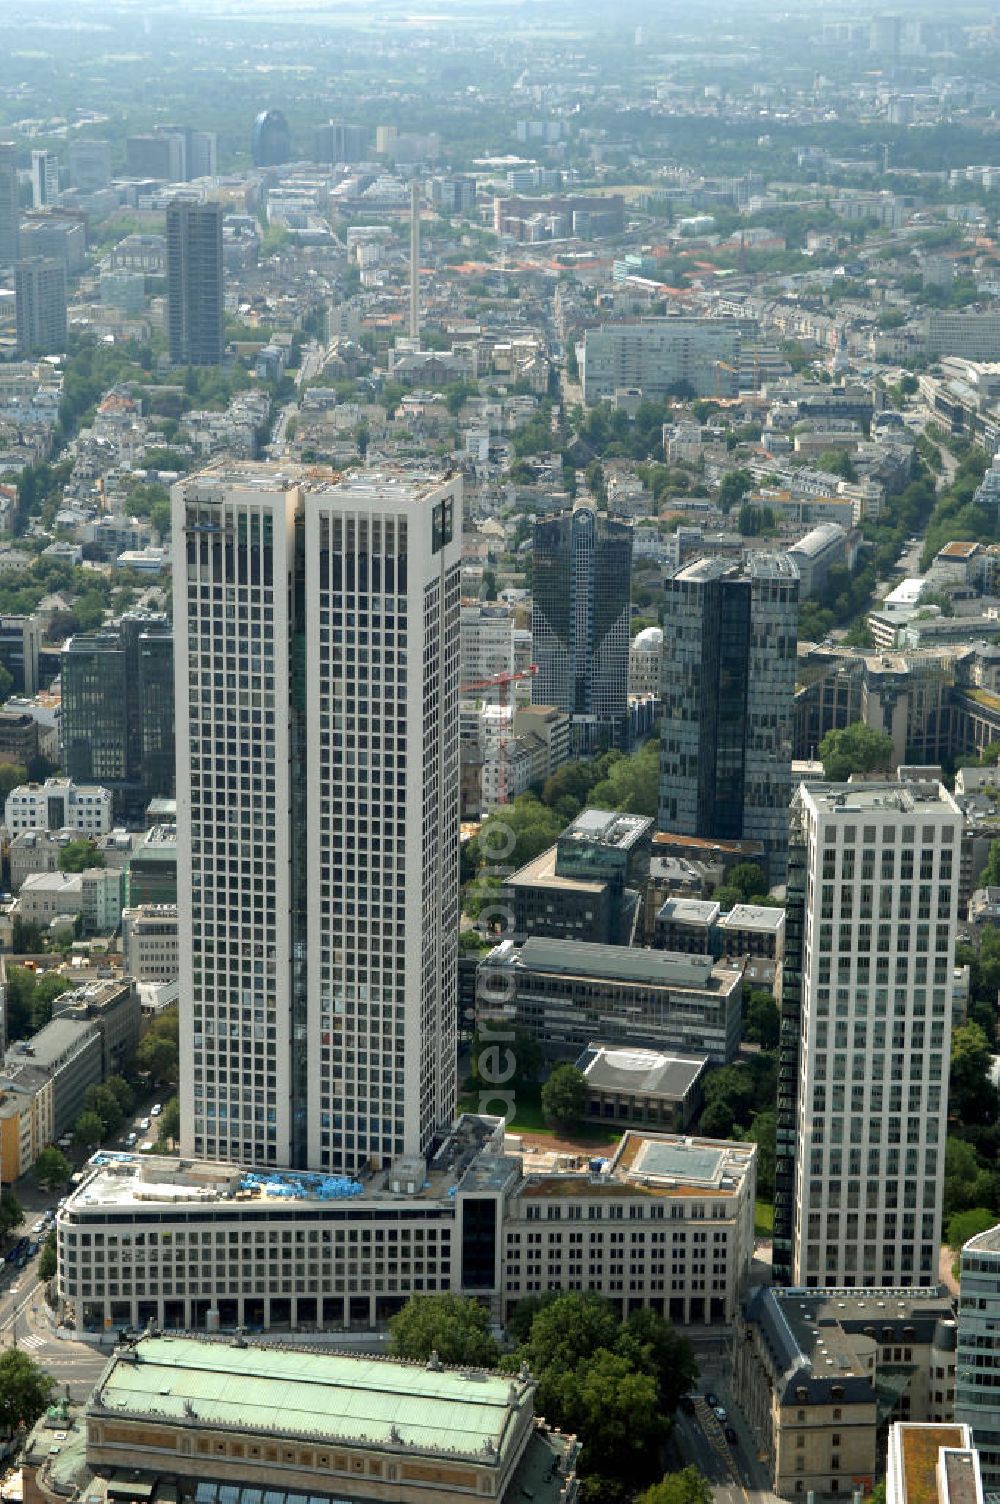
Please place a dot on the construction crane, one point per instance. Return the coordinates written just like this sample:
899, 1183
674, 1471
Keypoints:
501, 683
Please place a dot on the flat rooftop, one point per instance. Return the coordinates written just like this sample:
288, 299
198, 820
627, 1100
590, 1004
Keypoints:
753, 916
541, 873
607, 828
277, 1391
640, 1072
688, 911
899, 798
661, 968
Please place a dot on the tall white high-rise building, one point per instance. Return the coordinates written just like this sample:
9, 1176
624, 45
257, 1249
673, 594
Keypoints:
317, 657
878, 908
44, 178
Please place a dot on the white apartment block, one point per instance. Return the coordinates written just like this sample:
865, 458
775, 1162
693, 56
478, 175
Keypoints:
668, 1224
878, 947
150, 952
58, 803
317, 674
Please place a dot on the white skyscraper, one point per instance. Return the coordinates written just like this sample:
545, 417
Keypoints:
877, 950
44, 178
317, 630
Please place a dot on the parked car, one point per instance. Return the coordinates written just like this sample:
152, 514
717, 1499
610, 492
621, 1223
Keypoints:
39, 1226
131, 1139
731, 1436
721, 1413
712, 1400
144, 1124
156, 1109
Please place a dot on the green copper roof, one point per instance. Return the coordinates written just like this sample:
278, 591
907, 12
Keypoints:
330, 1396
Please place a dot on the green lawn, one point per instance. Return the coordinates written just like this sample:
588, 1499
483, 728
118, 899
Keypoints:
763, 1219
528, 1117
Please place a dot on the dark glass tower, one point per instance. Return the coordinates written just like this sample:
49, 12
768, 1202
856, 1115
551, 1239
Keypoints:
581, 585
118, 710
729, 654
194, 283
270, 139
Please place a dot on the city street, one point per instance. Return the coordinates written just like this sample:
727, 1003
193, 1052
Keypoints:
735, 1471
24, 1320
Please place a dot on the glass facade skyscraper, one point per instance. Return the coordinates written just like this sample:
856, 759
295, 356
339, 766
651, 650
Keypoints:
581, 584
730, 635
194, 283
118, 710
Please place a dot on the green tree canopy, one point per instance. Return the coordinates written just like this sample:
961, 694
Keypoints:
48, 1262
457, 1330
965, 1225
77, 856
762, 1021
686, 1487
25, 1390
972, 1096
734, 485
88, 1130
564, 1096
11, 1212
855, 749
51, 1169
12, 775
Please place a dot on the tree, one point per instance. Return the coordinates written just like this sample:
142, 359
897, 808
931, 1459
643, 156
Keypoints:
748, 880
123, 1093
170, 1123
613, 1408
763, 1132
652, 1344
762, 1021
12, 775
88, 1130
457, 1330
48, 1262
102, 1100
25, 1390
159, 1055
11, 1212
564, 1097
734, 485
855, 749
77, 856
51, 1169
965, 1225
972, 1097
566, 1329
686, 1487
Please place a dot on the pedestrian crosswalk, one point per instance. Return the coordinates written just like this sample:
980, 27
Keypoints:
34, 1341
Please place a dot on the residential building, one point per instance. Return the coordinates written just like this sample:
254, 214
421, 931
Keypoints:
93, 896
932, 1464
818, 1373
568, 992
477, 1220
580, 622
44, 178
56, 804
10, 204
863, 1069
977, 1374
194, 283
113, 1007
729, 662
26, 1121
40, 305
118, 710
32, 851
150, 951
342, 935
69, 1052
654, 357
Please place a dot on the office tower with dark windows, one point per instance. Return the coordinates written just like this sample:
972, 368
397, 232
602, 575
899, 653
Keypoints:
10, 204
339, 142
40, 305
582, 576
318, 803
194, 283
879, 867
270, 139
730, 636
90, 165
117, 722
44, 178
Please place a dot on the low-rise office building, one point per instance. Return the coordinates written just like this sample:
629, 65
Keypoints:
687, 926
152, 868
149, 942
95, 896
641, 1087
666, 1223
113, 1007
567, 992
70, 1052
586, 886
932, 1464
818, 1373
227, 1421
751, 929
